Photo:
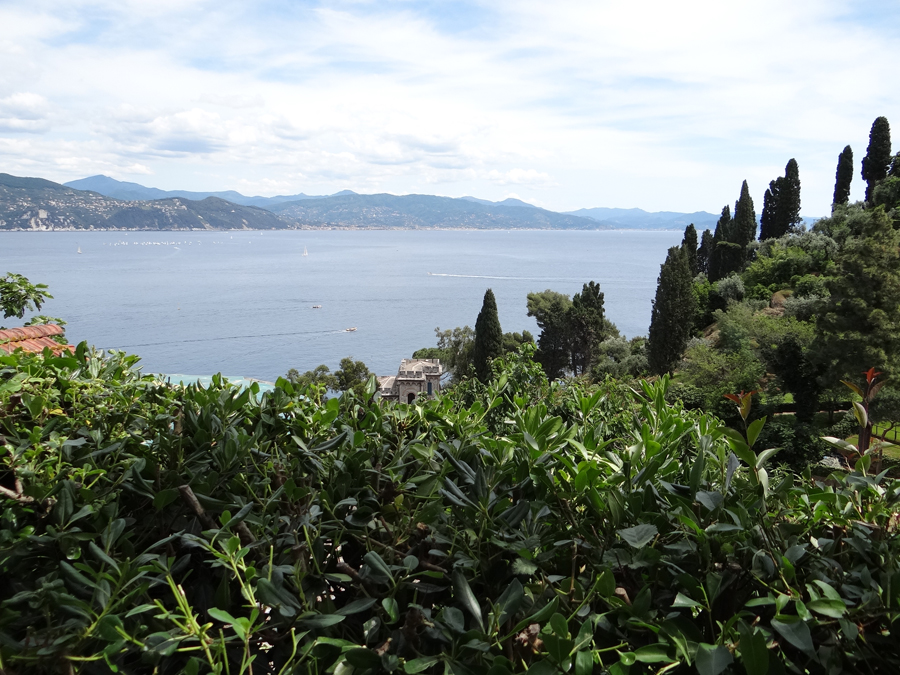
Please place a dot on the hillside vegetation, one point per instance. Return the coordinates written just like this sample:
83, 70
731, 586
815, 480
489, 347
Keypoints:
425, 211
38, 204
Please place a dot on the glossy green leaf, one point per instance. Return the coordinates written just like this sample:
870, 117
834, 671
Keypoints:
795, 631
753, 430
828, 607
356, 606
464, 593
712, 659
374, 561
753, 653
362, 658
392, 609
639, 535
418, 665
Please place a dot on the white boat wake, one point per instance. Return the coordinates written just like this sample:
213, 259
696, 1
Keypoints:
476, 276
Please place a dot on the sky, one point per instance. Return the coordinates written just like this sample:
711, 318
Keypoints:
567, 105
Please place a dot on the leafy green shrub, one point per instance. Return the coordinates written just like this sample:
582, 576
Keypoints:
799, 443
730, 289
690, 396
150, 528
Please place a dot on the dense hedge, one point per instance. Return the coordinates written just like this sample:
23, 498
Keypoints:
517, 526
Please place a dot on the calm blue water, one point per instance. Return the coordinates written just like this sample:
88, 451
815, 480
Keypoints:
241, 303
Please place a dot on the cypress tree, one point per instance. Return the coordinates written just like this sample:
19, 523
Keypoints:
788, 212
843, 177
704, 253
673, 313
878, 155
488, 337
689, 244
767, 224
744, 218
718, 260
781, 204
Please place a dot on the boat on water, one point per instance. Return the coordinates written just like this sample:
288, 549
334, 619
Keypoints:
79, 250
305, 252
350, 330
317, 306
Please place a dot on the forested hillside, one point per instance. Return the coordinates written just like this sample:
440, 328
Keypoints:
424, 211
38, 204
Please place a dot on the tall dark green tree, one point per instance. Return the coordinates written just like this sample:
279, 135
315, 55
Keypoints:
781, 204
788, 213
704, 253
673, 313
843, 177
728, 254
878, 155
551, 310
720, 236
744, 226
860, 326
488, 337
689, 244
586, 327
767, 221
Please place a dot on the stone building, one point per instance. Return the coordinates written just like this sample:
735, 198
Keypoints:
416, 377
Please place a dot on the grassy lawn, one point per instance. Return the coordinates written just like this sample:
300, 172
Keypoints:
891, 450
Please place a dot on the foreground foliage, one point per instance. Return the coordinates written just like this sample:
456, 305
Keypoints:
519, 526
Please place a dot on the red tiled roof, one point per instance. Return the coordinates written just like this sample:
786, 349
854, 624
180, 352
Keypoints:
33, 339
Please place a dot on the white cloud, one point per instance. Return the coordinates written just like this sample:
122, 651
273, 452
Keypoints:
24, 112
520, 177
582, 103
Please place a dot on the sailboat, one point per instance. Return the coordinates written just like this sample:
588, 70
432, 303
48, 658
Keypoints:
305, 252
79, 250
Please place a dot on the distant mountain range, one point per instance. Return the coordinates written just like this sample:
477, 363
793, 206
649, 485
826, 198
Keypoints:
110, 187
425, 212
38, 204
101, 202
644, 220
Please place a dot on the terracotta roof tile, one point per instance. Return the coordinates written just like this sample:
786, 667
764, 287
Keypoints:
33, 339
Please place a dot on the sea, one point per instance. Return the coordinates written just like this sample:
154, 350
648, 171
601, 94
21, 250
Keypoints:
254, 304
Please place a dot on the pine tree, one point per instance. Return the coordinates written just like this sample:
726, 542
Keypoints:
673, 313
878, 155
488, 337
744, 218
860, 327
843, 177
704, 253
689, 244
585, 326
767, 222
551, 311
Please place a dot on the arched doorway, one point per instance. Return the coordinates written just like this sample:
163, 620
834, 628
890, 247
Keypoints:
411, 397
